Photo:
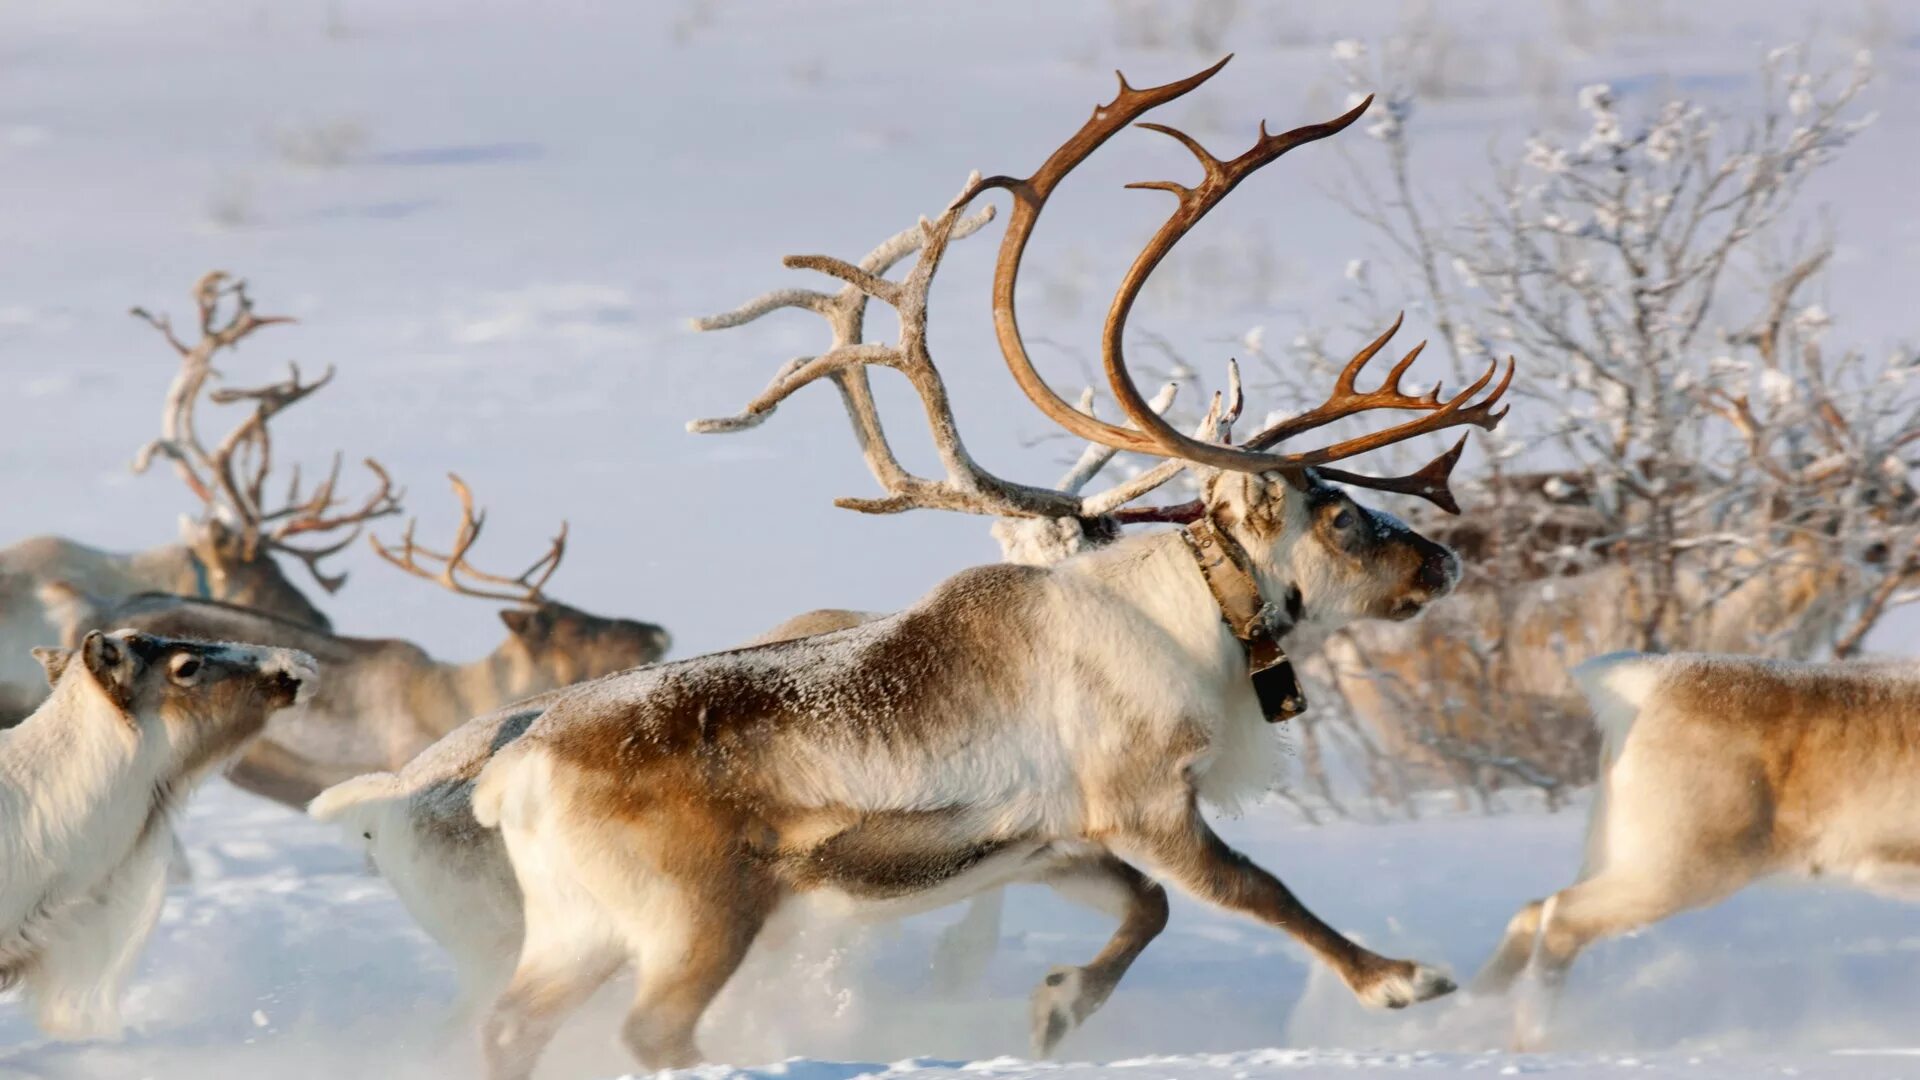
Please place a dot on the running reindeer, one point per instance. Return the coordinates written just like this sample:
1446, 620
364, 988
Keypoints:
228, 553
1717, 771
88, 787
386, 700
454, 876
1019, 723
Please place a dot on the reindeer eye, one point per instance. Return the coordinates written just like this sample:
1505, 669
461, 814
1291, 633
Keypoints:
186, 667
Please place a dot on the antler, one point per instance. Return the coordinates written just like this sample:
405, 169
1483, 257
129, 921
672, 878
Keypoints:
1154, 435
527, 587
215, 476
178, 440
966, 486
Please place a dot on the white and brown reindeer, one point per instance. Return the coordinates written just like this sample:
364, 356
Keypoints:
1718, 771
1059, 725
385, 699
88, 787
454, 877
229, 552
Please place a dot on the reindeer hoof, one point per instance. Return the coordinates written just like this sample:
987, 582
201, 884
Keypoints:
1059, 1004
1403, 984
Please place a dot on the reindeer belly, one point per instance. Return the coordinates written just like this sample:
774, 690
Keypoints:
897, 863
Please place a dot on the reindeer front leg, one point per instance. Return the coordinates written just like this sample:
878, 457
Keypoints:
1182, 848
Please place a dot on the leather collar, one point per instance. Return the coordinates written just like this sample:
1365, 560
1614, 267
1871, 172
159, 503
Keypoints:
1257, 624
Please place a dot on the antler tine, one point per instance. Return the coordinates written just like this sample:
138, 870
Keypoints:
1029, 198
312, 515
178, 440
312, 556
525, 589
1431, 482
966, 487
1219, 177
1097, 455
252, 433
1218, 180
1221, 413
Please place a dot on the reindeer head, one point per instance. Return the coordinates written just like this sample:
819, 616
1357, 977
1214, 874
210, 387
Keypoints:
235, 572
1327, 558
566, 645
1309, 545
240, 530
549, 644
204, 699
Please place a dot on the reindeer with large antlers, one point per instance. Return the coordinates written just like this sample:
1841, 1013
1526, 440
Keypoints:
227, 554
454, 876
1058, 725
385, 700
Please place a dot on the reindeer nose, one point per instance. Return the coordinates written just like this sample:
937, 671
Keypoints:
1439, 571
288, 685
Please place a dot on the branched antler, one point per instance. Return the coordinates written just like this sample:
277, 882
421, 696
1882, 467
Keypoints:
1155, 435
527, 588
230, 479
966, 487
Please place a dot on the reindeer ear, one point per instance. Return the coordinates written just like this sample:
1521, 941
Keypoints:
113, 664
525, 623
54, 661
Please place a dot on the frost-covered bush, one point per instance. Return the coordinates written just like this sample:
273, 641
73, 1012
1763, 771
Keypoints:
1695, 461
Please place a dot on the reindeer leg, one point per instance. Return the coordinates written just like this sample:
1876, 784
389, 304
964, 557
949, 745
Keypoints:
1892, 872
685, 952
1068, 995
1188, 852
569, 947
1516, 948
960, 956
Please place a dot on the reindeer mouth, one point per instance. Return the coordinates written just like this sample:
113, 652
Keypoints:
1407, 607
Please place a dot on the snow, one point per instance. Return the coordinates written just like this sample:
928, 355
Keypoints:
496, 217
284, 957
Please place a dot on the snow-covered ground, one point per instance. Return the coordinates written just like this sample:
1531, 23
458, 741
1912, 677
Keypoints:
285, 959
494, 217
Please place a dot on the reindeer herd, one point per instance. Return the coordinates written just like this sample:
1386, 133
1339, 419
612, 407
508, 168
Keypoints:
571, 805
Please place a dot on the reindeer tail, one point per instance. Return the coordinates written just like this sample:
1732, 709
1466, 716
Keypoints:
511, 790
359, 804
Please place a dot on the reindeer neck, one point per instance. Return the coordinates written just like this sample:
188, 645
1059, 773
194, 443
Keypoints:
1155, 573
72, 758
1201, 586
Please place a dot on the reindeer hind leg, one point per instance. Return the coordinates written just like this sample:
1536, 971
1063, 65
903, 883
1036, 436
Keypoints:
687, 943
570, 946
1515, 950
1610, 904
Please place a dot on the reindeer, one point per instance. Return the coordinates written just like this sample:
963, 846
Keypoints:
1718, 771
1790, 534
88, 787
1019, 723
454, 877
227, 554
385, 700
